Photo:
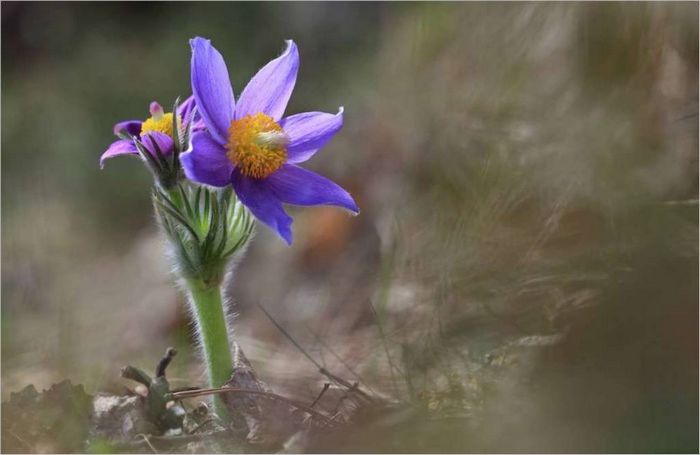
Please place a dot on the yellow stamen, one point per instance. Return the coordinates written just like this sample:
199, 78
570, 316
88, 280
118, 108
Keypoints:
164, 124
257, 145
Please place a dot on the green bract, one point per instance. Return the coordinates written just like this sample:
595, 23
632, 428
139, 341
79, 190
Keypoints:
205, 227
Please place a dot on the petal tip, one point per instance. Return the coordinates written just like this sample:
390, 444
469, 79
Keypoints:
118, 148
347, 202
351, 206
284, 228
211, 87
197, 40
287, 237
292, 50
104, 157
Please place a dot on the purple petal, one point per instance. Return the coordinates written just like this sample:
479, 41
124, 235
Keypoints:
269, 90
308, 132
185, 108
189, 114
198, 124
212, 88
207, 162
162, 141
120, 147
262, 202
131, 127
294, 185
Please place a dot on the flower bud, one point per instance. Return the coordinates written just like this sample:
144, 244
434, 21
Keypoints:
206, 227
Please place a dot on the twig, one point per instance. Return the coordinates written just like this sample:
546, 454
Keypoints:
136, 375
269, 395
320, 395
289, 337
21, 440
145, 438
340, 359
321, 368
343, 398
164, 362
184, 389
353, 387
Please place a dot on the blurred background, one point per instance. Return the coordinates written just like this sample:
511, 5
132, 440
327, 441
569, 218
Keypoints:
524, 272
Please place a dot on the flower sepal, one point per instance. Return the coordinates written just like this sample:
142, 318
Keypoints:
206, 228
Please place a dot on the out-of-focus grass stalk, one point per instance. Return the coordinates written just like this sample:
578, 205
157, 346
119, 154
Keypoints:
381, 303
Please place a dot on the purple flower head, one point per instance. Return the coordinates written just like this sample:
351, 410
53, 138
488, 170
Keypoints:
156, 131
249, 145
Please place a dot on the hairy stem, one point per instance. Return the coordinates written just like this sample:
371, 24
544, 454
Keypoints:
213, 331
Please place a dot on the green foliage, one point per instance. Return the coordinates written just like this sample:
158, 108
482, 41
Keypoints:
101, 446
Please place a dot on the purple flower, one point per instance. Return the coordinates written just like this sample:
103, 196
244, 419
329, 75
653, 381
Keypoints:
157, 128
249, 145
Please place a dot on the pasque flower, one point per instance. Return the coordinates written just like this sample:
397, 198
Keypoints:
250, 145
157, 128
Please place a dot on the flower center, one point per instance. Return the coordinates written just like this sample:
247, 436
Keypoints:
164, 124
159, 121
257, 145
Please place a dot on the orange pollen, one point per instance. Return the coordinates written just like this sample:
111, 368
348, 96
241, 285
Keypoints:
257, 145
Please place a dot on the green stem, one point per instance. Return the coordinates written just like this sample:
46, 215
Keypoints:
211, 323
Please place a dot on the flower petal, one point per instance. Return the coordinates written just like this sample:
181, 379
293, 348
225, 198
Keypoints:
262, 202
120, 147
269, 90
308, 132
298, 186
131, 127
155, 138
207, 161
190, 115
198, 124
212, 88
185, 108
